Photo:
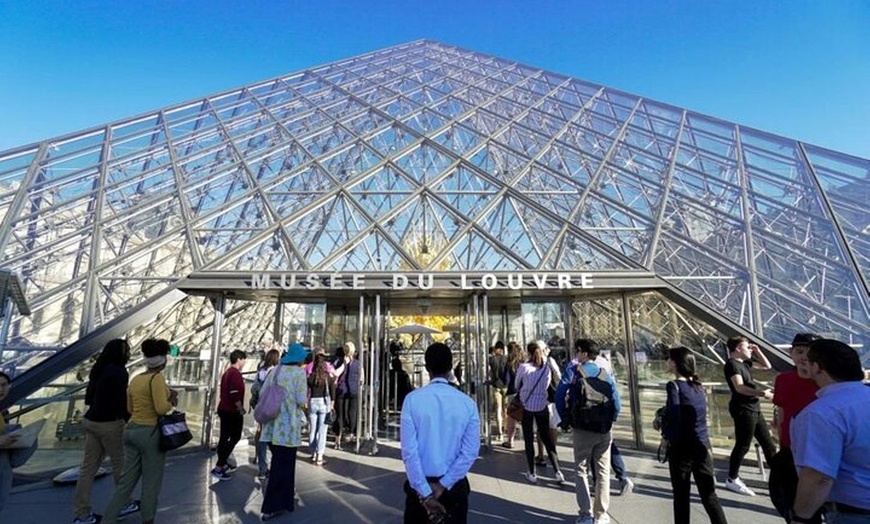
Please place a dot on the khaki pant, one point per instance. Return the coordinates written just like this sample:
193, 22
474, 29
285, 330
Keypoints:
498, 406
101, 439
595, 447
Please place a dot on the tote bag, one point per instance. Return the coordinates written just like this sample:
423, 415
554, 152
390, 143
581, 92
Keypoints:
271, 398
515, 409
174, 432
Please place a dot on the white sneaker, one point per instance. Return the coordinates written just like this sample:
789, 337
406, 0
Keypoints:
560, 477
737, 486
530, 477
604, 519
626, 487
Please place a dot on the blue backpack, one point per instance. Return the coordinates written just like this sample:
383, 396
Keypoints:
590, 401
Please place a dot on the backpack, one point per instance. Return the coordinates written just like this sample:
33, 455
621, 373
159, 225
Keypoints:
271, 398
256, 388
590, 401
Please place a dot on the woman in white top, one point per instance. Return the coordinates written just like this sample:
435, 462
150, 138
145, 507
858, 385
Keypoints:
533, 378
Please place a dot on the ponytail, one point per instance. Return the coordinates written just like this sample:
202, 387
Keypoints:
684, 364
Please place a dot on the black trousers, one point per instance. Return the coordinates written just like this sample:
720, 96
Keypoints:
280, 492
688, 459
782, 484
347, 413
455, 500
542, 420
748, 424
230, 434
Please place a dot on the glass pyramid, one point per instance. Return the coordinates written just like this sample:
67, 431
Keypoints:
479, 163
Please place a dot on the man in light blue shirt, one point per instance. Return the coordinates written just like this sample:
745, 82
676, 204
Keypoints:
831, 438
440, 441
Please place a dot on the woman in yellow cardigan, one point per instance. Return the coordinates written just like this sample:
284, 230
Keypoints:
148, 397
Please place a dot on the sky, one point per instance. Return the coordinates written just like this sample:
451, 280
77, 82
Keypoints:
796, 68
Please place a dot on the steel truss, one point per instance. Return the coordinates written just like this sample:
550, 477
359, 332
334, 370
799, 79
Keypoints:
425, 156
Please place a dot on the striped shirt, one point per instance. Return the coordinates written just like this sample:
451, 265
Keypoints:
529, 377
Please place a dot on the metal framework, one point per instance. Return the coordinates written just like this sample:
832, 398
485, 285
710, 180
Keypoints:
425, 156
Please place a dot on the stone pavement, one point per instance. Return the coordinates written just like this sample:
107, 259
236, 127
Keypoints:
353, 488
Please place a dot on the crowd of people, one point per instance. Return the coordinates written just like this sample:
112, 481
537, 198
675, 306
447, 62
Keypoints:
822, 417
819, 471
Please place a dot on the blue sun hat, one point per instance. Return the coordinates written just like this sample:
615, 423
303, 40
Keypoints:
295, 354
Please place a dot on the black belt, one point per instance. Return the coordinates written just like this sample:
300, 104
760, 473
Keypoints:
839, 507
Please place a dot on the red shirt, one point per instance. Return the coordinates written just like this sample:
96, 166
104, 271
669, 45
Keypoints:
792, 393
232, 390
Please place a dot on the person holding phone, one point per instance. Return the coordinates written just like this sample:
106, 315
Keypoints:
745, 408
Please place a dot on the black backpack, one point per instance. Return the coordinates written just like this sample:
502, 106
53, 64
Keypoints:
590, 401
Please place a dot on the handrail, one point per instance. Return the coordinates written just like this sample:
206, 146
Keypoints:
34, 379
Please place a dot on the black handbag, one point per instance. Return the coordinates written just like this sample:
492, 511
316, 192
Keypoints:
174, 432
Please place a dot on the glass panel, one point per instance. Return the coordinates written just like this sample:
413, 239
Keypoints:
601, 320
546, 321
659, 324
342, 325
304, 323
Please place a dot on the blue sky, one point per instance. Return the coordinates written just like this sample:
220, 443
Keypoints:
797, 68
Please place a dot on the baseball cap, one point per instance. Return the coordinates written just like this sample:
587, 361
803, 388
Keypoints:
804, 339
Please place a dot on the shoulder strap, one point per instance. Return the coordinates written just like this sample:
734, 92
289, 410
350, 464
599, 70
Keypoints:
151, 390
582, 370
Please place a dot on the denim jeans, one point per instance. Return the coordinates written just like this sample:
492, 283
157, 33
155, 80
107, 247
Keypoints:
318, 408
262, 459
